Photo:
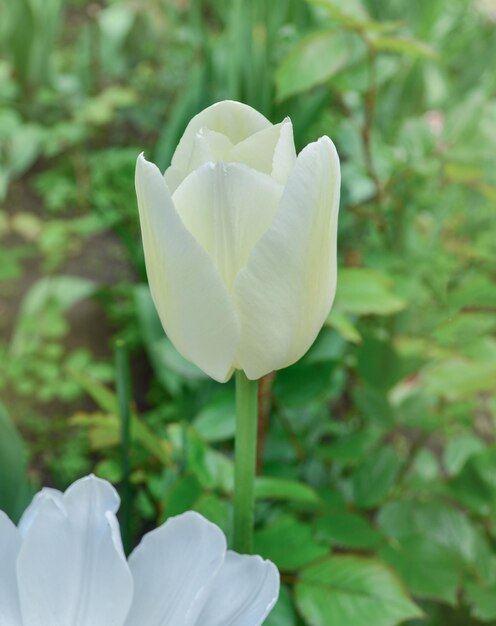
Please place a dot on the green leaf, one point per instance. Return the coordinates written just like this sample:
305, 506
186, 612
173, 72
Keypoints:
344, 326
435, 522
404, 45
351, 449
475, 486
458, 450
289, 544
15, 491
353, 15
355, 591
374, 406
314, 61
62, 292
363, 291
483, 600
456, 379
303, 383
182, 495
429, 570
283, 489
217, 420
345, 529
374, 479
214, 509
283, 613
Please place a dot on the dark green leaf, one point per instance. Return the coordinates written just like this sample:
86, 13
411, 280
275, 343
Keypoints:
374, 479
289, 544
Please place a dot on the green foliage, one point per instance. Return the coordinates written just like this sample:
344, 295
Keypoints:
15, 490
377, 494
352, 590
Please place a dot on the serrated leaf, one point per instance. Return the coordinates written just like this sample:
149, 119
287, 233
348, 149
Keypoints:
289, 544
355, 591
436, 522
483, 600
429, 570
374, 479
345, 529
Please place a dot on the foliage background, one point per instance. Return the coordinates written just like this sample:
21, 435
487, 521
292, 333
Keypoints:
377, 460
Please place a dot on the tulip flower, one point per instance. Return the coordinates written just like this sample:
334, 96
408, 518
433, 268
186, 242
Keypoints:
240, 241
64, 566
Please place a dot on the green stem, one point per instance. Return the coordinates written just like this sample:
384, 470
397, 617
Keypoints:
245, 462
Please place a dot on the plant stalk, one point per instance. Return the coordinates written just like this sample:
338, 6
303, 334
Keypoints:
245, 462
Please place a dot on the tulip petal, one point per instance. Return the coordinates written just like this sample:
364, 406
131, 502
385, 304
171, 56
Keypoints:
227, 207
271, 151
71, 566
36, 505
174, 568
208, 146
235, 120
10, 541
285, 292
244, 592
191, 299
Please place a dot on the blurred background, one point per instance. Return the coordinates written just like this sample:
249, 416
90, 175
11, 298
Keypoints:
378, 449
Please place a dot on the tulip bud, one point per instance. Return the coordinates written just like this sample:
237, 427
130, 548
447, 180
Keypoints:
239, 237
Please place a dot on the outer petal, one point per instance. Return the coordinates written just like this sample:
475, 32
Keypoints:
10, 542
271, 151
174, 568
191, 299
245, 591
284, 294
71, 567
235, 120
227, 208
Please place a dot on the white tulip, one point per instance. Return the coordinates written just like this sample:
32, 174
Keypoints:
240, 241
64, 566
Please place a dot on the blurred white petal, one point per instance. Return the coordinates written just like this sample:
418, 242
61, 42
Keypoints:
71, 567
10, 541
227, 208
174, 568
284, 294
244, 592
189, 294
